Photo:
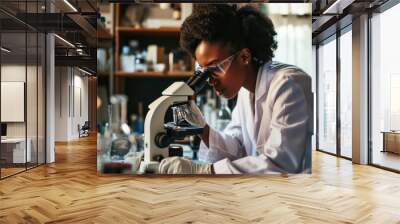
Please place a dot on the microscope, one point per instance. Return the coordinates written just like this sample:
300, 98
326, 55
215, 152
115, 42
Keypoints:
158, 135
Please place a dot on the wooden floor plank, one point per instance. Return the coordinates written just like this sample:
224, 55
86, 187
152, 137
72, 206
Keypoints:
70, 191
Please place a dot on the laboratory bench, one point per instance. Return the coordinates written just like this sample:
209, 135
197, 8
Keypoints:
124, 167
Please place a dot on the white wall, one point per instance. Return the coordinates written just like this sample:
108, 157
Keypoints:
71, 94
61, 103
14, 73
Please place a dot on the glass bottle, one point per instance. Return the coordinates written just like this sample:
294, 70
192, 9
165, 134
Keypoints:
127, 60
120, 144
104, 141
224, 115
207, 108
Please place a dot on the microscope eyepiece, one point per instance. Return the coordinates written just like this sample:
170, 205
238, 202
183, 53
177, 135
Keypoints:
198, 80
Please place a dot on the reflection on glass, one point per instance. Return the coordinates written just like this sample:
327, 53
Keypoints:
385, 84
327, 96
346, 94
22, 90
14, 148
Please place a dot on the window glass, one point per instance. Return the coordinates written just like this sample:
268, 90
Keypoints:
385, 87
327, 96
346, 94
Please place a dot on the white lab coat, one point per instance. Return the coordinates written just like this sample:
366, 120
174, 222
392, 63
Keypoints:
273, 138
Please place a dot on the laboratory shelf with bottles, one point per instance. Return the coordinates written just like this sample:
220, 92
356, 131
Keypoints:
147, 54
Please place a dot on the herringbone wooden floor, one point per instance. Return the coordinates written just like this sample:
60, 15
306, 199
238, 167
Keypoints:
70, 191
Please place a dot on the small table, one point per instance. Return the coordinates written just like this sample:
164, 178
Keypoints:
391, 141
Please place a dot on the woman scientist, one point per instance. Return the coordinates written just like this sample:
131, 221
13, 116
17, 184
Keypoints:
268, 130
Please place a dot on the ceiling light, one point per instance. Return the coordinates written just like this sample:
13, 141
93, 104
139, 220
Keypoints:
331, 7
70, 5
5, 50
337, 7
65, 41
81, 51
84, 71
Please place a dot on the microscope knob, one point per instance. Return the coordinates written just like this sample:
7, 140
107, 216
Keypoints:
162, 140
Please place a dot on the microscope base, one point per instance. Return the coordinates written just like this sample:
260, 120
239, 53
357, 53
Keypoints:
149, 168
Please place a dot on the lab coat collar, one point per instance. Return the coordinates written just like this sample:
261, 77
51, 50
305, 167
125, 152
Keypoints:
262, 87
263, 79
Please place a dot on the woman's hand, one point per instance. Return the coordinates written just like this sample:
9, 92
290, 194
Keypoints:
179, 165
194, 116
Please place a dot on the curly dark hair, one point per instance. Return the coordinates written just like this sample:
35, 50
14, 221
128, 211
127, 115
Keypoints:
245, 27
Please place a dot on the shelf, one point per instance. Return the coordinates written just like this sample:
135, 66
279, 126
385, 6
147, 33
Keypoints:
103, 73
151, 31
174, 74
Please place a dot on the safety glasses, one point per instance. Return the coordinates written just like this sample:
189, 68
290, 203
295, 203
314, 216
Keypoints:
219, 68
